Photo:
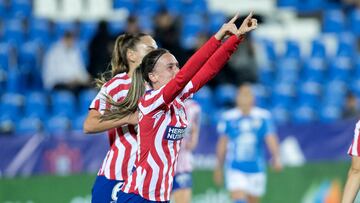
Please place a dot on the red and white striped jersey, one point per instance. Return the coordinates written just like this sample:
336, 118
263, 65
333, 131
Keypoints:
119, 161
162, 121
161, 129
354, 149
185, 159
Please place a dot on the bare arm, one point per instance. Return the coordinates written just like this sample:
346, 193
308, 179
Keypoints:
93, 124
220, 155
273, 146
352, 185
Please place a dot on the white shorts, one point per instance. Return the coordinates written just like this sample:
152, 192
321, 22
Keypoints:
252, 183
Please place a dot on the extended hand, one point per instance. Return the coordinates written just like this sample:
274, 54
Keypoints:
247, 25
227, 28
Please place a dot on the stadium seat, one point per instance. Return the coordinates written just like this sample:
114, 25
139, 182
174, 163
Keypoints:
148, 8
29, 53
116, 27
63, 103
15, 81
216, 20
304, 114
5, 51
318, 49
40, 31
292, 50
309, 6
64, 26
85, 99
261, 93
87, 30
77, 123
174, 7
196, 6
225, 95
146, 23
205, 99
354, 17
346, 46
283, 94
287, 70
287, 3
36, 105
329, 113
314, 69
309, 93
57, 125
14, 32
21, 8
127, 4
7, 124
270, 50
334, 21
28, 126
340, 68
11, 105
280, 114
334, 93
265, 75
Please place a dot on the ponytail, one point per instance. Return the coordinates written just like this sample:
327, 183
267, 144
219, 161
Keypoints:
129, 105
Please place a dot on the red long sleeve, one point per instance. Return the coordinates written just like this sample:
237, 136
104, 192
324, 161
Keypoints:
215, 63
191, 67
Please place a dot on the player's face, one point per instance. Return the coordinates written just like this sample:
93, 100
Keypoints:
165, 69
146, 44
245, 97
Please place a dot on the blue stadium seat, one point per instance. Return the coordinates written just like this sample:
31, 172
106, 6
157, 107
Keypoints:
148, 8
354, 17
347, 45
329, 113
40, 31
309, 6
87, 30
196, 6
340, 68
261, 93
11, 105
334, 93
7, 124
85, 99
292, 50
287, 3
283, 94
64, 26
127, 4
14, 32
5, 50
216, 20
304, 114
174, 7
36, 105
287, 70
280, 114
318, 49
225, 95
309, 93
265, 75
15, 81
57, 125
193, 25
334, 21
21, 8
146, 23
314, 69
77, 123
29, 53
63, 103
270, 50
205, 99
116, 27
28, 126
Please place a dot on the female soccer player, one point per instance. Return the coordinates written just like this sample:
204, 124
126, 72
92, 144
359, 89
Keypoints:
352, 185
162, 118
119, 161
182, 179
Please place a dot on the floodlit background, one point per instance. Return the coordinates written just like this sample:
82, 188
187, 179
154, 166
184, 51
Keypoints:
303, 60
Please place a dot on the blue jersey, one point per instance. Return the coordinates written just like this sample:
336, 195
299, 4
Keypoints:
246, 135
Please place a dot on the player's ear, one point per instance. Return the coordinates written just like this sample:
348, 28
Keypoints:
153, 78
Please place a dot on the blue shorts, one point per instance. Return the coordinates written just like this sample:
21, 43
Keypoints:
182, 181
105, 190
134, 198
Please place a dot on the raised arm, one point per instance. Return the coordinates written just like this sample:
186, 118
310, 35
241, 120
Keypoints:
196, 61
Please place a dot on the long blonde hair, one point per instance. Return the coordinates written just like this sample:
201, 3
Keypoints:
129, 105
119, 62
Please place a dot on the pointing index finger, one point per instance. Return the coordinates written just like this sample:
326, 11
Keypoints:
234, 18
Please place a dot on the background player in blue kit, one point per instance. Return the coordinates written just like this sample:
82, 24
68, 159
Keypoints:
240, 151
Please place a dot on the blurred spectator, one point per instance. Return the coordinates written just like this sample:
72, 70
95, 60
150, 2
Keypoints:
132, 25
167, 34
63, 67
100, 49
351, 108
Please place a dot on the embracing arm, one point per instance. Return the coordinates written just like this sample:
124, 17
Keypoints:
93, 124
